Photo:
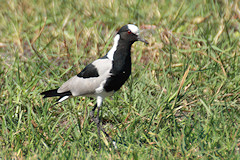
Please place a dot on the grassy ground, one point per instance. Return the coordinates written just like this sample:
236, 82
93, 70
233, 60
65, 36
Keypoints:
182, 100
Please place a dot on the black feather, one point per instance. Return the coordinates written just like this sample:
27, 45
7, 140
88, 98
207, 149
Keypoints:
53, 93
89, 71
121, 69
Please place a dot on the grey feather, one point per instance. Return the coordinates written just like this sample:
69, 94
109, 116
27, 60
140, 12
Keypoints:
79, 86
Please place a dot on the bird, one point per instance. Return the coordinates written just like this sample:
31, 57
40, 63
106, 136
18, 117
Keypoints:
102, 77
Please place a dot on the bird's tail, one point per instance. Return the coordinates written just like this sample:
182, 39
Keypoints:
54, 93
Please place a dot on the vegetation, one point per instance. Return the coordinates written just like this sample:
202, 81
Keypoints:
182, 100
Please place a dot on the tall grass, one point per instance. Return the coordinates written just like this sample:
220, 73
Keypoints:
182, 100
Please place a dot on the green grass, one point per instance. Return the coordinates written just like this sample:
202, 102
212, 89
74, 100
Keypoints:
181, 102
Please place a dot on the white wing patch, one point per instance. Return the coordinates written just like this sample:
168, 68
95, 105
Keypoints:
110, 54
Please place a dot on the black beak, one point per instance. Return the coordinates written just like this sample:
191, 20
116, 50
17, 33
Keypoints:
142, 40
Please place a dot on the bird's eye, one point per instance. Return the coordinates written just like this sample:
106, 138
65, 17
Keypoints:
129, 32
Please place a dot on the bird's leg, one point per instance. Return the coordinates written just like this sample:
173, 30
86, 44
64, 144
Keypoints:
99, 126
96, 120
92, 112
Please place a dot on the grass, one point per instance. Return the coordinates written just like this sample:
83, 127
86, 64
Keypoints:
181, 102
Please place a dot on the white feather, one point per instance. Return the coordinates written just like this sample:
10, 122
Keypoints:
134, 29
99, 101
110, 54
63, 98
100, 91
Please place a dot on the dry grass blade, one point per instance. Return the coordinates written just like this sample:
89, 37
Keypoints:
220, 31
181, 85
40, 32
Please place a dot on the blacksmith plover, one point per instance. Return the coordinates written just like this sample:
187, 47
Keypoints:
104, 76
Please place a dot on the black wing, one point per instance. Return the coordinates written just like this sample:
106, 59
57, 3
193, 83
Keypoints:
89, 71
54, 93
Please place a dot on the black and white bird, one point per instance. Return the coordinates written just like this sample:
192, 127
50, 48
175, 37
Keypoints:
104, 76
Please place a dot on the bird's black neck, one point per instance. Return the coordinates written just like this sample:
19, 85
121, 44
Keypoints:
122, 57
121, 68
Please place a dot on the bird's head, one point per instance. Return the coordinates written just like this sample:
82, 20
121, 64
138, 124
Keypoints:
130, 33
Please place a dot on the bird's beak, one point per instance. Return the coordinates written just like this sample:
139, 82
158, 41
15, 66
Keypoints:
142, 40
